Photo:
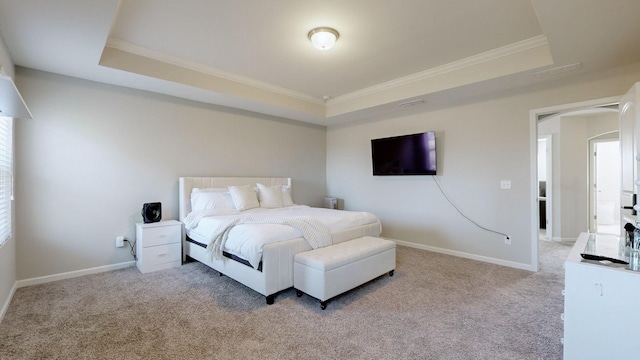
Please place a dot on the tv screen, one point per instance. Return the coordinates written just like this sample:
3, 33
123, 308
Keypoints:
413, 154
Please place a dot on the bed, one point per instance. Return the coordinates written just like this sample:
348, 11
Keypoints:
274, 272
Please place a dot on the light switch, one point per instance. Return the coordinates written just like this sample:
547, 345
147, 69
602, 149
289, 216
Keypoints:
505, 184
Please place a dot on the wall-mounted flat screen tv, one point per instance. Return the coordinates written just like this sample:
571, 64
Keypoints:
413, 154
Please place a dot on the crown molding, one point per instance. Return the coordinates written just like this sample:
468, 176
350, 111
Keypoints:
527, 54
191, 65
485, 57
11, 102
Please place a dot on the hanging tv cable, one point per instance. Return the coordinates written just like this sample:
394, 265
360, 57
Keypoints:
446, 196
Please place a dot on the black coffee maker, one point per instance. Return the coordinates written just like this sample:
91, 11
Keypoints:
631, 239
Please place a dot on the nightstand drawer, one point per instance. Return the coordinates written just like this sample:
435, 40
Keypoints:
159, 245
163, 266
162, 235
161, 254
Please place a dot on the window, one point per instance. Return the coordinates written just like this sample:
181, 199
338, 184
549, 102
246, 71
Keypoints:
6, 177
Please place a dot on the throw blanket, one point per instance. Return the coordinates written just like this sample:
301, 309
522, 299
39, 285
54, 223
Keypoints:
315, 232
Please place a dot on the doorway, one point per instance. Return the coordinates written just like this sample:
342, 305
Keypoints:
565, 203
604, 182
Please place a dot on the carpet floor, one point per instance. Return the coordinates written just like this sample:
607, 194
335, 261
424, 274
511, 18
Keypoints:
434, 307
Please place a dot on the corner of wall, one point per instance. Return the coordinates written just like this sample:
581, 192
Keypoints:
5, 59
7, 302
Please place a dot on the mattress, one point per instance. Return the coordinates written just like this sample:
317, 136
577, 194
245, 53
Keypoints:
246, 240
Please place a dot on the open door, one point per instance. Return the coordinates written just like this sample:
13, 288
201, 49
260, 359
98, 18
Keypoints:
629, 118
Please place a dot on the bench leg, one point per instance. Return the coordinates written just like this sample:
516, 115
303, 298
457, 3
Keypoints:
391, 272
270, 299
323, 305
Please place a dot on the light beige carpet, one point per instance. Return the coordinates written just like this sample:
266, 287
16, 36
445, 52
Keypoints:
435, 307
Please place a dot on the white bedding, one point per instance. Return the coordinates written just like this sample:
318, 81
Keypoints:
246, 240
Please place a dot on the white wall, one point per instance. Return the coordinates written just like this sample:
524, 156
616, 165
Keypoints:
8, 250
94, 153
480, 142
604, 123
574, 161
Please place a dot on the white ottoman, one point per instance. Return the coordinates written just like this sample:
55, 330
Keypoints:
329, 271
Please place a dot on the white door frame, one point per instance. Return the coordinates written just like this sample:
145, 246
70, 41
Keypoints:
534, 115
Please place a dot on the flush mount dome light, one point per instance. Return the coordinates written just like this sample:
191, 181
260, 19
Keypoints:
323, 38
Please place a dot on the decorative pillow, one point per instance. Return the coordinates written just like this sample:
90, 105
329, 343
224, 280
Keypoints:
211, 198
244, 197
286, 196
270, 196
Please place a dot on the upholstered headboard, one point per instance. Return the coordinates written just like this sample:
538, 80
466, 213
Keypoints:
185, 184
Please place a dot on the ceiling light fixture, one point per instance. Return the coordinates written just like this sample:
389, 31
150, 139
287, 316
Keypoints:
323, 38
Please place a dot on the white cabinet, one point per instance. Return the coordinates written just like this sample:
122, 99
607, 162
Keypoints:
601, 314
158, 245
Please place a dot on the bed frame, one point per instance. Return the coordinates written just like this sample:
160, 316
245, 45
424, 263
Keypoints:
277, 258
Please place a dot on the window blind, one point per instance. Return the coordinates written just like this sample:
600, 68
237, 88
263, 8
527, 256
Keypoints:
6, 177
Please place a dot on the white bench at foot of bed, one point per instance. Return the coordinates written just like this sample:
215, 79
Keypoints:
329, 271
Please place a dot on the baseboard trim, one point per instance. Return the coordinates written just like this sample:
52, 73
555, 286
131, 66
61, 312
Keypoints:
5, 306
461, 254
72, 274
564, 240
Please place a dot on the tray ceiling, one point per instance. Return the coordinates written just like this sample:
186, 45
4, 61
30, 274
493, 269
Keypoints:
255, 55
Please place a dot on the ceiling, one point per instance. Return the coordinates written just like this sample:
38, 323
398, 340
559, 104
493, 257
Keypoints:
255, 55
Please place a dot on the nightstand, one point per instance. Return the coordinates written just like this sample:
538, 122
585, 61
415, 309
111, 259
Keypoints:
158, 245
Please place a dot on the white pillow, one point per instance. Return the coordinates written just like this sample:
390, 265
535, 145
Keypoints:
286, 196
211, 198
270, 196
244, 197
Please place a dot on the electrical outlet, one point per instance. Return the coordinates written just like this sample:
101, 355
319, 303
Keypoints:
119, 241
507, 240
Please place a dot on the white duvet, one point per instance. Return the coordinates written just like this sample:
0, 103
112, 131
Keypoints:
246, 240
